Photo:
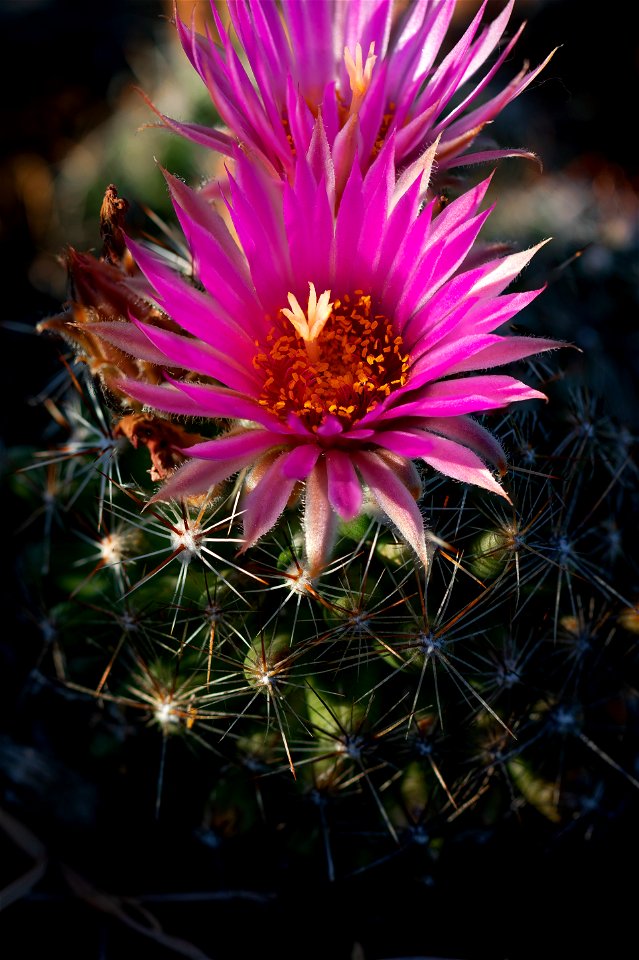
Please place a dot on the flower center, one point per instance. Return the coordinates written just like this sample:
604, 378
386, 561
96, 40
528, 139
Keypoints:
338, 358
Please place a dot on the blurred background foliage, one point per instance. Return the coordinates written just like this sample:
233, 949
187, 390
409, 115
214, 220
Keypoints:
72, 123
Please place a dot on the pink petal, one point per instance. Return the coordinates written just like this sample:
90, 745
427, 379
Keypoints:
495, 276
247, 444
266, 502
488, 156
159, 397
308, 211
471, 434
197, 313
467, 395
394, 499
440, 361
477, 352
462, 464
344, 488
419, 171
198, 476
434, 269
443, 455
486, 43
491, 108
196, 132
505, 350
347, 227
461, 209
212, 401
311, 33
320, 521
331, 427
191, 354
453, 311
300, 461
223, 272
400, 228
424, 30
127, 337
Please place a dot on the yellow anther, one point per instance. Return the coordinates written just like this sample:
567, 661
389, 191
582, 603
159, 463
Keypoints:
309, 325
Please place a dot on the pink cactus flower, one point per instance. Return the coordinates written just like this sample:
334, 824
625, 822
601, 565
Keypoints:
341, 346
366, 70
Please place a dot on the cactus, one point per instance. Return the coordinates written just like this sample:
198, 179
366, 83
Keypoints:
246, 707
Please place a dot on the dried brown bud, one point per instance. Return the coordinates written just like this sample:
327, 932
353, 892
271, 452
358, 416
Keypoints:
162, 439
112, 215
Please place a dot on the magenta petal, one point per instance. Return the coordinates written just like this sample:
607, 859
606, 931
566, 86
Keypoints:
461, 353
204, 136
424, 31
442, 360
399, 227
456, 314
435, 268
192, 209
198, 476
348, 228
330, 428
486, 315
247, 444
266, 502
344, 487
311, 33
191, 354
460, 210
469, 433
213, 401
308, 210
443, 455
379, 184
256, 211
467, 395
394, 499
505, 350
224, 274
321, 159
300, 461
159, 397
260, 32
487, 111
127, 337
358, 434
197, 313
487, 41
416, 176
320, 521
495, 276
301, 121
488, 156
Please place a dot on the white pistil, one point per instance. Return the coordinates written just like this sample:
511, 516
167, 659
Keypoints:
309, 325
359, 73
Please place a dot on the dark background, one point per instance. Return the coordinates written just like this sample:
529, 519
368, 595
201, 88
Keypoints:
517, 899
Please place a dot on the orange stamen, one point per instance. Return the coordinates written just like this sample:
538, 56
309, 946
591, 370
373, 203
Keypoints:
340, 358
